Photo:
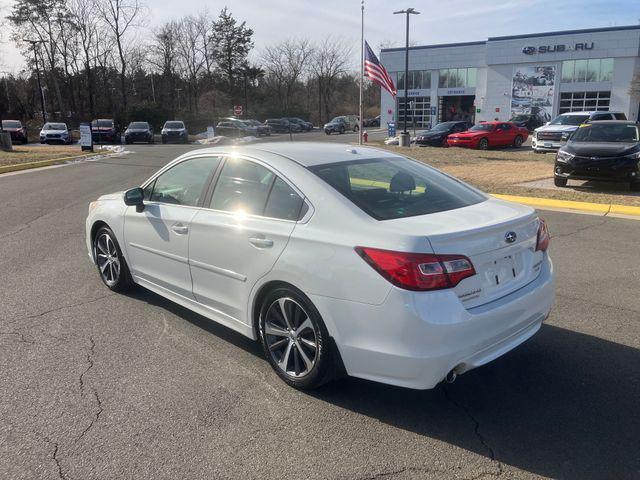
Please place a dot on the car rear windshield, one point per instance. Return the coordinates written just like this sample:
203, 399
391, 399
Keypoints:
397, 187
11, 124
482, 127
138, 125
594, 132
174, 125
569, 120
54, 126
102, 123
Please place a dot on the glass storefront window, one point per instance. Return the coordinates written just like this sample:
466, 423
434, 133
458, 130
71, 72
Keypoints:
591, 70
457, 77
568, 68
579, 101
400, 82
606, 69
418, 79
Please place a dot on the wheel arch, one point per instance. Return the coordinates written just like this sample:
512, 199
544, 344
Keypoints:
97, 225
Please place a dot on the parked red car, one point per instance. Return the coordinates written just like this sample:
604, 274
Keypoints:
490, 134
16, 129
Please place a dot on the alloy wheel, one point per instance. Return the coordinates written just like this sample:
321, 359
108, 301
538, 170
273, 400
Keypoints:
107, 259
291, 337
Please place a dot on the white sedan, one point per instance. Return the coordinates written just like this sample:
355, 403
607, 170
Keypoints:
336, 258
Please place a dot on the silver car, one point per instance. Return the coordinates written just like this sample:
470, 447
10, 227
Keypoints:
55, 133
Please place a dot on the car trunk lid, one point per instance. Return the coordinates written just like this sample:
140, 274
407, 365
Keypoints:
498, 237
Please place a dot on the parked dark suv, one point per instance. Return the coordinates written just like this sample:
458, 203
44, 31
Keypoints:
104, 130
282, 125
17, 131
606, 150
139, 132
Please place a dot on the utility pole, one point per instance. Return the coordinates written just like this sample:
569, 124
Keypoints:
35, 56
406, 142
361, 68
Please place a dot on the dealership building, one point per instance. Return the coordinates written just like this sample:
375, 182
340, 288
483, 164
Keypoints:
543, 74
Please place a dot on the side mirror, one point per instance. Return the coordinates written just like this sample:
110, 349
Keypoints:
135, 197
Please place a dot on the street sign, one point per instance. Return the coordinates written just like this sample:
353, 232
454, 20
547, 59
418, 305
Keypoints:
237, 110
433, 111
86, 142
391, 129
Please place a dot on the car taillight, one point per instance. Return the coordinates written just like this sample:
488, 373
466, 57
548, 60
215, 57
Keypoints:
543, 237
418, 271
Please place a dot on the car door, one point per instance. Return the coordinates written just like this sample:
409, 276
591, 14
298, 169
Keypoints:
505, 134
157, 238
239, 237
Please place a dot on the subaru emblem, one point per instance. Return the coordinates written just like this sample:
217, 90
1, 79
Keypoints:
510, 237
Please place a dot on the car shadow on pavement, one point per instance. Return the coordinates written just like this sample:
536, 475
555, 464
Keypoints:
563, 405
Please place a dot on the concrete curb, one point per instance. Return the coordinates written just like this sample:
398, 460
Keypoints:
41, 163
593, 208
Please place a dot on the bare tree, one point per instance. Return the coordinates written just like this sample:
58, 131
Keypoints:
190, 54
330, 60
121, 16
285, 65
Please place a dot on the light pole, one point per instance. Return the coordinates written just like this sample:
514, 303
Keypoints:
409, 11
35, 56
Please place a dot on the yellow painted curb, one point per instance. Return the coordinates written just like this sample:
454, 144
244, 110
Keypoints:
601, 208
41, 163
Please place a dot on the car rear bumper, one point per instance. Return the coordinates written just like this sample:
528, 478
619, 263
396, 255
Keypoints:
413, 339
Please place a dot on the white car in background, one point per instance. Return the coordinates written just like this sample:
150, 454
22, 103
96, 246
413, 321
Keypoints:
334, 258
554, 134
55, 132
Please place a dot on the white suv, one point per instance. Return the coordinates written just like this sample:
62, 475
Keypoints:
554, 134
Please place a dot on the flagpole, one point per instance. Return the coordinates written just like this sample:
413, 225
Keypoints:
361, 68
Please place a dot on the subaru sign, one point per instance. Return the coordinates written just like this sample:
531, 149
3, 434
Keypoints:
530, 50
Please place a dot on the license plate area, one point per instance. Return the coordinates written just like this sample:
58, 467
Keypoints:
548, 144
501, 272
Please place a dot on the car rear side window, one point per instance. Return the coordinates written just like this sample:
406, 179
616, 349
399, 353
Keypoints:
283, 202
397, 187
184, 183
243, 186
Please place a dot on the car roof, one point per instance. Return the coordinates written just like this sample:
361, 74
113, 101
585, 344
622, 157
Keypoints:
308, 154
590, 112
614, 122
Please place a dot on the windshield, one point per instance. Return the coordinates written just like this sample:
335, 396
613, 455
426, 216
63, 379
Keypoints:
337, 119
174, 125
11, 124
138, 125
397, 187
54, 126
482, 127
569, 120
443, 126
102, 123
594, 132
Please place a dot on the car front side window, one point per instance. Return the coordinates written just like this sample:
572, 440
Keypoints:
184, 183
243, 187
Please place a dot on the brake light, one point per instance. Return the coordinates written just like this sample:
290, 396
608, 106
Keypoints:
418, 271
543, 237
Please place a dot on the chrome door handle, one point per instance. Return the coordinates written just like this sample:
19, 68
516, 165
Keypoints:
180, 229
260, 242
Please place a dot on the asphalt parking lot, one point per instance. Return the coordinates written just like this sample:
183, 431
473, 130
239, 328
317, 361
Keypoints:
97, 385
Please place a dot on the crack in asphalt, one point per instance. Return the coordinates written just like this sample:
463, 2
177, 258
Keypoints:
476, 429
605, 305
582, 229
18, 334
96, 415
57, 309
392, 473
61, 473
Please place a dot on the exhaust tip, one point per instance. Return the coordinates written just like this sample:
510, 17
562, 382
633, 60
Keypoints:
451, 376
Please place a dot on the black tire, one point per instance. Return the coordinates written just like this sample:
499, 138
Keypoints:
327, 132
483, 144
341, 130
559, 182
517, 142
634, 186
164, 141
445, 143
115, 275
356, 128
293, 340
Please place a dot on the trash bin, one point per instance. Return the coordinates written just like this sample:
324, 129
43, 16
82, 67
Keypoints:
405, 139
5, 141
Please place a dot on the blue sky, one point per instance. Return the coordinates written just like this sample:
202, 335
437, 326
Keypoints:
440, 21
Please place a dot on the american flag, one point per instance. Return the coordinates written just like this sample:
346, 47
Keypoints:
376, 72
